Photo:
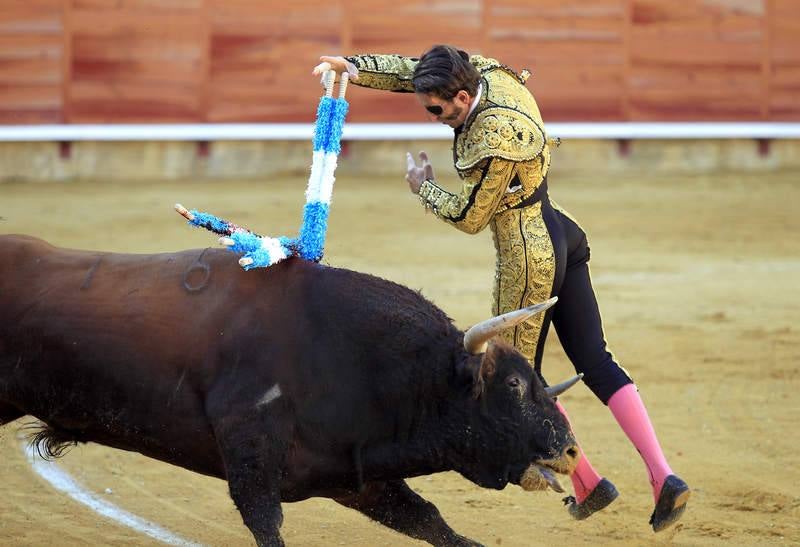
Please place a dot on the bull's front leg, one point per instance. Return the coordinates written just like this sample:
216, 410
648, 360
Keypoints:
253, 454
395, 505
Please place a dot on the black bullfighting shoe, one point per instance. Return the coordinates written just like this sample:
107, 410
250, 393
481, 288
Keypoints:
599, 498
671, 503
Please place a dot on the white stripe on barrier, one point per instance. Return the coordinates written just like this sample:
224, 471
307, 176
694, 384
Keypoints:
388, 131
61, 480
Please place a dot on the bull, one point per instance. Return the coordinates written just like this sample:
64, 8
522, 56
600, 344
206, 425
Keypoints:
294, 381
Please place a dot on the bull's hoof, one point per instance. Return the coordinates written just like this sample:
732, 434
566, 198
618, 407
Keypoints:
602, 495
457, 540
671, 503
454, 540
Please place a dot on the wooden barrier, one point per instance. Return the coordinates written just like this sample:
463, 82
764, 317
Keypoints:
189, 61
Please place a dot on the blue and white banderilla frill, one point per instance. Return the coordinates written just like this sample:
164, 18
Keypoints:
262, 251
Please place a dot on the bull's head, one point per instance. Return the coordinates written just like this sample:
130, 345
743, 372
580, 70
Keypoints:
515, 411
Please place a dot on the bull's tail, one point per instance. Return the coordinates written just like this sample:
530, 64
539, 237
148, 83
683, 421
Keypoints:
47, 441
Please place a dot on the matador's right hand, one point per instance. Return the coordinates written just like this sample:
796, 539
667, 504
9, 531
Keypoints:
337, 64
416, 175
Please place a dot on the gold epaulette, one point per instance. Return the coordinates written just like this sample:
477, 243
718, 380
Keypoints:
506, 122
485, 64
499, 132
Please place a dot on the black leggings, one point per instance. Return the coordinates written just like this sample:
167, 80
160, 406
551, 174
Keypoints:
576, 316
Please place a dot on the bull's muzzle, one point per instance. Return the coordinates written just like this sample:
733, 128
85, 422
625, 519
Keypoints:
540, 475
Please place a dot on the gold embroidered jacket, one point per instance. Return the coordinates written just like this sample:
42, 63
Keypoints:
500, 153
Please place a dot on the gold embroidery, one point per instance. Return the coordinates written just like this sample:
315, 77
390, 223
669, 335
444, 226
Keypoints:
506, 123
502, 139
385, 72
510, 265
525, 271
486, 64
530, 175
482, 189
499, 132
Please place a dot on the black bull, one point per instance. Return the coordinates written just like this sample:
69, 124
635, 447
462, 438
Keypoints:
293, 381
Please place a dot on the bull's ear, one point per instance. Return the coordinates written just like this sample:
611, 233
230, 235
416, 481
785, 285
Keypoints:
468, 374
477, 370
489, 363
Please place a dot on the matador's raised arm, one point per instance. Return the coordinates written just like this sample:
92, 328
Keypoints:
385, 72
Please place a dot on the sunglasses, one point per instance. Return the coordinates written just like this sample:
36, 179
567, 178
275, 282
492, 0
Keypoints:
435, 109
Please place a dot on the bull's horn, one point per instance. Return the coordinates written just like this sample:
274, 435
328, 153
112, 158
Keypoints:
555, 391
477, 336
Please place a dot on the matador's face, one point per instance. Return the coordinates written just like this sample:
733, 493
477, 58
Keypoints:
452, 112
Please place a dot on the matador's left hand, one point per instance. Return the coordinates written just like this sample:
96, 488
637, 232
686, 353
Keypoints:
416, 175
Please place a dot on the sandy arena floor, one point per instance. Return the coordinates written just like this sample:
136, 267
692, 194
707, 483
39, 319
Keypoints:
694, 278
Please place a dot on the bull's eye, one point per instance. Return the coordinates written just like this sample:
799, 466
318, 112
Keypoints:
518, 385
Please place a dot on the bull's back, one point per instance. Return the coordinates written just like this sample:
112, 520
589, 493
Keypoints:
157, 310
118, 348
146, 340
99, 290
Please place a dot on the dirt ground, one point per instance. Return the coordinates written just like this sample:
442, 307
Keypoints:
697, 282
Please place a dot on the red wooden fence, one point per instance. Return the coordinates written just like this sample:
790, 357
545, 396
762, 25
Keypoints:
115, 61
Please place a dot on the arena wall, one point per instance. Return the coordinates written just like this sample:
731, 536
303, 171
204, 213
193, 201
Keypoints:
122, 61
150, 160
69, 62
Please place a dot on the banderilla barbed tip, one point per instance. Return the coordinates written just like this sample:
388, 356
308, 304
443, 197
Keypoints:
184, 212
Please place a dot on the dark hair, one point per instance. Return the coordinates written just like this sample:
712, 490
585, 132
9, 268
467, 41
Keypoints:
444, 71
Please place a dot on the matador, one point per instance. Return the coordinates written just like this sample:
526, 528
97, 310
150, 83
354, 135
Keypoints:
502, 156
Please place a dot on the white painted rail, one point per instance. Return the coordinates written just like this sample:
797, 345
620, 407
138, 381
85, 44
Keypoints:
387, 131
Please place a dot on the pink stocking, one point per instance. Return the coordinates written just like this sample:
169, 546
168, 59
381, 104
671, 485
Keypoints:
585, 478
631, 415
